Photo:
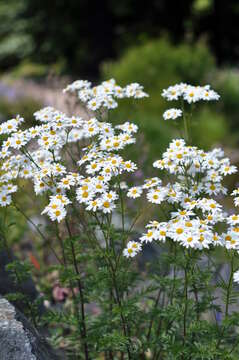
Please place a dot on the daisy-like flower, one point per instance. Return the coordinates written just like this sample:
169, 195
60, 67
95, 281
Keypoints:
217, 240
182, 214
93, 205
132, 249
129, 252
233, 219
134, 192
55, 210
94, 104
5, 199
106, 206
231, 240
192, 94
172, 93
172, 114
189, 241
152, 182
149, 236
157, 195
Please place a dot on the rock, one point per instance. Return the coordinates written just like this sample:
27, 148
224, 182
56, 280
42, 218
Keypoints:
19, 340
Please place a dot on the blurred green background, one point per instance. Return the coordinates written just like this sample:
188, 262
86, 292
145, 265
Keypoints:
155, 43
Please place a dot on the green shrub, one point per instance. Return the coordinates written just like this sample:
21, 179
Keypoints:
156, 65
25, 106
227, 83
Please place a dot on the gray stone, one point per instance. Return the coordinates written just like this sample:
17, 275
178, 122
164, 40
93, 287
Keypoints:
19, 340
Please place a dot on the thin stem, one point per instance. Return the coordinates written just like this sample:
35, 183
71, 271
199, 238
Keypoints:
185, 304
174, 274
38, 230
156, 353
122, 208
229, 287
185, 122
153, 315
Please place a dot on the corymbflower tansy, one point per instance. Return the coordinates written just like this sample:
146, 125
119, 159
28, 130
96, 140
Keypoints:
39, 153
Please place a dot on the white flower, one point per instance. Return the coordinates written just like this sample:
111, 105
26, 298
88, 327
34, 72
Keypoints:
94, 104
106, 205
156, 196
132, 249
233, 219
228, 169
134, 192
172, 93
149, 236
172, 114
192, 94
55, 210
93, 205
231, 240
129, 252
5, 199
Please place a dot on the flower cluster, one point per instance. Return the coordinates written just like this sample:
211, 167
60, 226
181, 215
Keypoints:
190, 93
105, 94
196, 176
68, 174
103, 165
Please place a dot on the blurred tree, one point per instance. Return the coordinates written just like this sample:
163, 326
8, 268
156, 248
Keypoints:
218, 21
15, 42
80, 34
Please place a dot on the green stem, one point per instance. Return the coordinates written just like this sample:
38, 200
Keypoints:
185, 123
185, 312
38, 230
229, 288
185, 305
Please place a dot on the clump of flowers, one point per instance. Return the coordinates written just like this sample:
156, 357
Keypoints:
194, 215
77, 167
196, 177
190, 93
104, 95
39, 154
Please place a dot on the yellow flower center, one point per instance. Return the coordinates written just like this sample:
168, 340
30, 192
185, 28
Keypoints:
179, 231
106, 204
